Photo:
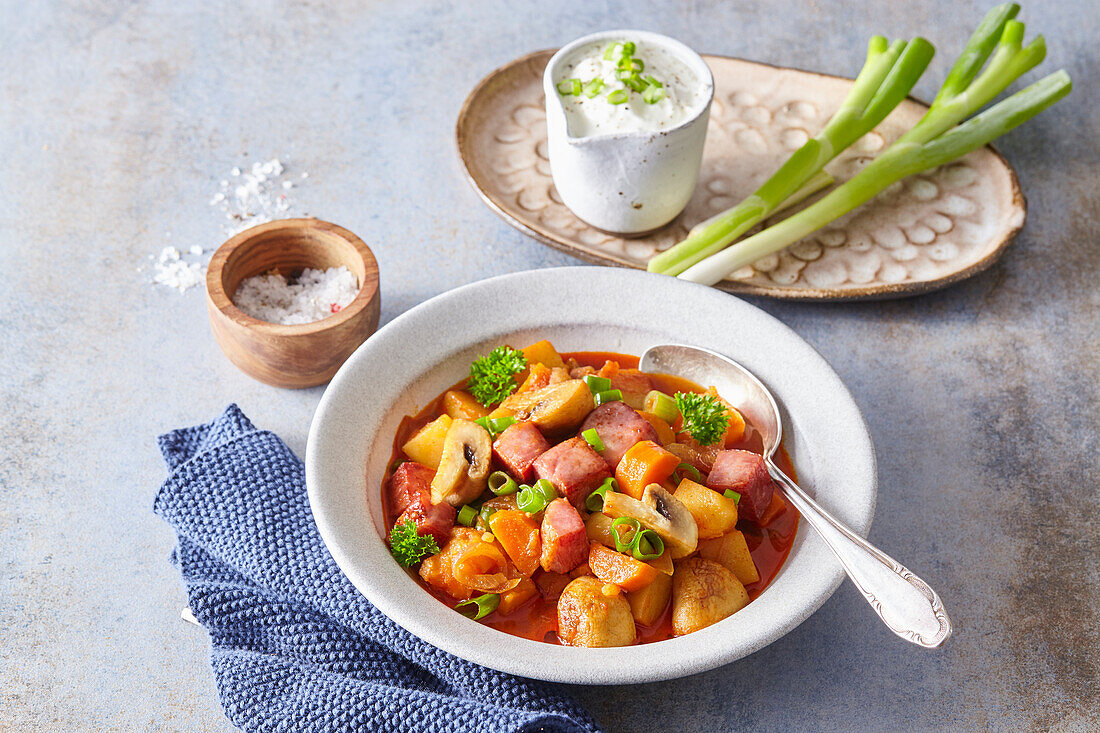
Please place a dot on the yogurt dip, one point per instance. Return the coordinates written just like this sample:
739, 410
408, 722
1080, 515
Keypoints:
661, 93
626, 121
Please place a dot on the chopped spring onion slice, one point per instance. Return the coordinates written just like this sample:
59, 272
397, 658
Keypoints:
628, 48
615, 49
625, 541
635, 82
529, 500
652, 81
480, 607
597, 384
619, 96
501, 483
594, 502
631, 65
467, 515
544, 487
593, 439
609, 395
685, 470
592, 88
648, 545
483, 517
653, 95
731, 494
661, 405
570, 87
495, 425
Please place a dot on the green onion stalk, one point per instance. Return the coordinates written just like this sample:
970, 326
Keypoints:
936, 139
887, 77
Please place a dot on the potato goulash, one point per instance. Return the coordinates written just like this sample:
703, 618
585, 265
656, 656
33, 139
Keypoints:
573, 499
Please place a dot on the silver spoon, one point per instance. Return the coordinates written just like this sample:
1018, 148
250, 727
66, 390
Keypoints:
905, 603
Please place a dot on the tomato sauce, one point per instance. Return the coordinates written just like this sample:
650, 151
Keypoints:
769, 543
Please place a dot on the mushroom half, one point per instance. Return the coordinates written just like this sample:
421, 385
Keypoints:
660, 511
463, 465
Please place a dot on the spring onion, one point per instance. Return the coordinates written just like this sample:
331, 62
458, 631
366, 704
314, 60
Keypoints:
685, 470
661, 405
938, 137
648, 545
888, 75
731, 494
619, 96
592, 88
593, 439
608, 395
501, 483
483, 517
596, 384
495, 425
467, 515
480, 607
570, 87
653, 95
533, 499
594, 502
625, 541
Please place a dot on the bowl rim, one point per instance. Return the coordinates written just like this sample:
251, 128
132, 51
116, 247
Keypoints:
221, 302
365, 560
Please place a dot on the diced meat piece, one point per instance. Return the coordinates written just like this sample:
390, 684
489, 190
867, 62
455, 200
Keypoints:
574, 468
408, 482
581, 372
620, 426
434, 519
564, 538
518, 447
745, 473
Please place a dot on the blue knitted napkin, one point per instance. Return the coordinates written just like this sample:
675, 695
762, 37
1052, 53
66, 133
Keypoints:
295, 647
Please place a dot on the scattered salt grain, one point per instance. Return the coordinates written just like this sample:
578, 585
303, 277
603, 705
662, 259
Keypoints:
170, 270
313, 295
256, 195
195, 249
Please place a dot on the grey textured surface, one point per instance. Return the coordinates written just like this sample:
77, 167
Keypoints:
118, 120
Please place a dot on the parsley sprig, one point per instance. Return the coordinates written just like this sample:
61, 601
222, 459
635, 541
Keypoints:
704, 416
410, 547
492, 376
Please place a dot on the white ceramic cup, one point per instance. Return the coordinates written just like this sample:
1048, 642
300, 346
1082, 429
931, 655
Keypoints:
627, 182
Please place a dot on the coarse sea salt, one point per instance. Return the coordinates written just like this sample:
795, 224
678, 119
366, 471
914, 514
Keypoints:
254, 195
309, 297
170, 270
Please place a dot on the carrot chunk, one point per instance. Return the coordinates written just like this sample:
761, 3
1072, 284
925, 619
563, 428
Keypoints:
622, 570
518, 533
644, 464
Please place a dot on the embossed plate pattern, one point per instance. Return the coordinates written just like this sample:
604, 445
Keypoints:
920, 234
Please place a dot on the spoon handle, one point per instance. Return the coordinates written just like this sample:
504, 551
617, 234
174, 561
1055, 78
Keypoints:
905, 603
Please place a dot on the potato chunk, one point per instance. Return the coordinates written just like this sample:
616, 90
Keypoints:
588, 616
703, 593
426, 446
650, 602
554, 408
460, 404
543, 352
731, 551
714, 513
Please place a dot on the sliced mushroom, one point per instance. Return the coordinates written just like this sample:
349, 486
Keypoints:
464, 465
553, 408
660, 511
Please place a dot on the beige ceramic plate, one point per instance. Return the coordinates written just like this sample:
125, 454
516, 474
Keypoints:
920, 234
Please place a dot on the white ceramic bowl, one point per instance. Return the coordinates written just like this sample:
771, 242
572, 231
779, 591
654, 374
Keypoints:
418, 355
627, 182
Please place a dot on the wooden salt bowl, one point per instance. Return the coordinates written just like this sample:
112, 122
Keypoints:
302, 355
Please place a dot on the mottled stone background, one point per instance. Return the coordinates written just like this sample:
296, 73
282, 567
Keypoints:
118, 119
